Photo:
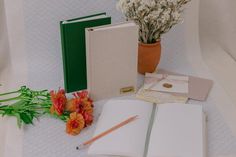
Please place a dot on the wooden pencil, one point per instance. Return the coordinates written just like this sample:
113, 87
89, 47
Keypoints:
108, 131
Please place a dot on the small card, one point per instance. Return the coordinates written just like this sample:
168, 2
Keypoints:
166, 83
160, 97
198, 88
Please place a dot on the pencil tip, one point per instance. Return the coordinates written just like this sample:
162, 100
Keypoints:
79, 147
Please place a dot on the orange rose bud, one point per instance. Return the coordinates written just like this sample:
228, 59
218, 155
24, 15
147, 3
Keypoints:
82, 94
58, 101
75, 124
88, 118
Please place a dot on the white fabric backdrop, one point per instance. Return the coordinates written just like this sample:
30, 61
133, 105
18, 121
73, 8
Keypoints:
217, 37
13, 70
4, 57
218, 23
33, 35
4, 47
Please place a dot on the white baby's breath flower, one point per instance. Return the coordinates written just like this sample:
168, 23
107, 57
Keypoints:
163, 2
176, 15
150, 3
154, 17
174, 2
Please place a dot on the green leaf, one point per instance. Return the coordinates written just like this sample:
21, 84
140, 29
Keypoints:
19, 121
18, 104
27, 106
8, 112
26, 118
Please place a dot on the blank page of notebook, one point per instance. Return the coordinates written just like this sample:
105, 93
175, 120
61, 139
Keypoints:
128, 140
178, 131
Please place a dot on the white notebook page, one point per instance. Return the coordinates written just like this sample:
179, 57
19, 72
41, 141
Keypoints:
178, 131
128, 140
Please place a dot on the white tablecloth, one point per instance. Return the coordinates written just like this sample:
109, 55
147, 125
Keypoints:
35, 52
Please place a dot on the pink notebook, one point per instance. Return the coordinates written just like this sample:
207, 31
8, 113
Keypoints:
199, 88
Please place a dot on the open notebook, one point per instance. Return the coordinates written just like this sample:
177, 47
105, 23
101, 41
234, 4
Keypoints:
169, 130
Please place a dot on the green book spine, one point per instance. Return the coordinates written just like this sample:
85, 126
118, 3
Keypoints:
63, 54
74, 51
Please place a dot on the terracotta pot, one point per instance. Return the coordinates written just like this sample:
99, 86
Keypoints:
148, 57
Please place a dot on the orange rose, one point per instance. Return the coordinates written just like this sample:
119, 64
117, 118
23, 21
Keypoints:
75, 124
58, 101
87, 106
80, 103
73, 105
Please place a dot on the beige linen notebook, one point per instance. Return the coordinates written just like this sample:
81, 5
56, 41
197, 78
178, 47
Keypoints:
171, 130
111, 53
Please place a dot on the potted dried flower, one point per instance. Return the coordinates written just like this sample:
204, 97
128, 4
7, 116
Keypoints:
154, 18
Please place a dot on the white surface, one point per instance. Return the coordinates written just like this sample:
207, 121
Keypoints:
42, 56
178, 131
130, 139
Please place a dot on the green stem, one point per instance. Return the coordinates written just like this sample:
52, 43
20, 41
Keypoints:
43, 99
3, 107
10, 99
26, 98
33, 107
64, 118
9, 93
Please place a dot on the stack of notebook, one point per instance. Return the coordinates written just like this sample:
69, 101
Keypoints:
74, 49
101, 59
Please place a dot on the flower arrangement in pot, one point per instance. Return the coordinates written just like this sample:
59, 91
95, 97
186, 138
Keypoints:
154, 18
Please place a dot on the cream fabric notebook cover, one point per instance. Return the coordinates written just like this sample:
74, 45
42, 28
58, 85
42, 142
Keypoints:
171, 130
112, 60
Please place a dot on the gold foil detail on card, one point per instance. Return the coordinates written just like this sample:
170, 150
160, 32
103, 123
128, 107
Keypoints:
127, 90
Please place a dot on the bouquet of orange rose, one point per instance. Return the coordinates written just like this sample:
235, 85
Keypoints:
26, 105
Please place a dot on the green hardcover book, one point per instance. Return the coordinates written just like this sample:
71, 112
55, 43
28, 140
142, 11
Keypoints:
74, 49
